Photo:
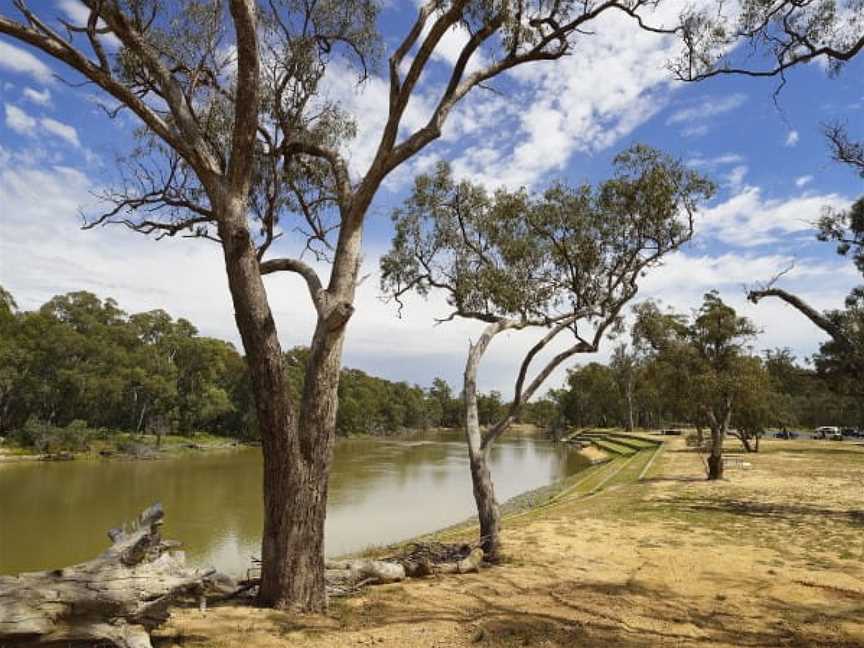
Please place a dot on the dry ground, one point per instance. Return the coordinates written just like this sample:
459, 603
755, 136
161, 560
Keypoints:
772, 556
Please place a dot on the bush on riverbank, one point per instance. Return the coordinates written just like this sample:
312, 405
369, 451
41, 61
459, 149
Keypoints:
43, 437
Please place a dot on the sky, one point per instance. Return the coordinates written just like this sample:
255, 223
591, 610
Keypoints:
550, 121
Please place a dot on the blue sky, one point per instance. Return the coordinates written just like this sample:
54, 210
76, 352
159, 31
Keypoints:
550, 121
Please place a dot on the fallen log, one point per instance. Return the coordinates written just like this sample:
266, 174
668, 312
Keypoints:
118, 597
373, 571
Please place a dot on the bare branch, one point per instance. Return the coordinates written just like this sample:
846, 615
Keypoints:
313, 281
820, 320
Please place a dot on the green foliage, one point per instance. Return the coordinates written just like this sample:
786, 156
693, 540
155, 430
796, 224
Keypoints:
571, 249
81, 369
766, 37
44, 437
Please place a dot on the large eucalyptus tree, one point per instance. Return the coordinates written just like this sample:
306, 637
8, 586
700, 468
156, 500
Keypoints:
237, 145
565, 263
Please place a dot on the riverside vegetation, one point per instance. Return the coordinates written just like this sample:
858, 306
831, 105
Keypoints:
231, 147
80, 373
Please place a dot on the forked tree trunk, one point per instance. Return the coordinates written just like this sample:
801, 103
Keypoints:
296, 489
292, 569
297, 446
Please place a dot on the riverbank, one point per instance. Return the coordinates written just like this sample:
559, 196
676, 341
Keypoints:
772, 556
125, 446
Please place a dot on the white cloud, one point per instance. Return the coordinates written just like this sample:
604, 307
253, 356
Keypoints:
19, 121
542, 114
708, 107
695, 131
61, 130
803, 181
22, 123
41, 98
735, 178
711, 163
615, 81
749, 219
20, 61
792, 138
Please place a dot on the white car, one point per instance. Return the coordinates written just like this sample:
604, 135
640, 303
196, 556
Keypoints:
831, 432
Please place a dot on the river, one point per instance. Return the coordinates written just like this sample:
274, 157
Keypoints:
381, 491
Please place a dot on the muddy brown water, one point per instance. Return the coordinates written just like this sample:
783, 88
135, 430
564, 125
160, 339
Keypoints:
381, 491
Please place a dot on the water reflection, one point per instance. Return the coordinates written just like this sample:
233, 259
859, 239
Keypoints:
380, 491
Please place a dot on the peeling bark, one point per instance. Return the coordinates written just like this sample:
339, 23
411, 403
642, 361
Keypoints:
118, 597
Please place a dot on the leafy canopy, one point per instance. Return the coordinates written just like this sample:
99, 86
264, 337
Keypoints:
571, 251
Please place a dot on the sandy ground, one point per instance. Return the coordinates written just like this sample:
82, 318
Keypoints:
773, 556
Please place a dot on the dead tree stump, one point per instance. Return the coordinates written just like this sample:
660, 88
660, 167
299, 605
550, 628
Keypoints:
118, 597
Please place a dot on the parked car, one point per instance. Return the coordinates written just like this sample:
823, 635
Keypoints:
828, 432
852, 432
786, 434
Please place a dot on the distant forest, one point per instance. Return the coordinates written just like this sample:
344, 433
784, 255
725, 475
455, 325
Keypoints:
81, 362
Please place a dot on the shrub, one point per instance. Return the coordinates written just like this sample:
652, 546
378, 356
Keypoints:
45, 437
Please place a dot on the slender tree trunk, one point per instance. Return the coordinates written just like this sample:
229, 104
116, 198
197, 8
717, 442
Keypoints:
140, 427
715, 456
630, 425
488, 512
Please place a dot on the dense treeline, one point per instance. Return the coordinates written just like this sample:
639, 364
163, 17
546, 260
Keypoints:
83, 362
663, 380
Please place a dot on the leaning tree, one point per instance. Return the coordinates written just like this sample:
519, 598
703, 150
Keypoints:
564, 263
238, 145
769, 38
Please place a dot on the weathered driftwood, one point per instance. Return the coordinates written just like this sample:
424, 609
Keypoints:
424, 560
117, 597
348, 577
371, 571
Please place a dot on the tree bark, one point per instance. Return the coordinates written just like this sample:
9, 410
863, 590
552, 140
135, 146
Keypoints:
286, 487
118, 597
719, 426
715, 466
297, 446
488, 512
630, 425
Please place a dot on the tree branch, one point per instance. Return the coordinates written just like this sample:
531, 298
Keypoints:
313, 281
808, 311
247, 96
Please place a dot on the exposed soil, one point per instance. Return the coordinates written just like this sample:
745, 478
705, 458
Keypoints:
773, 556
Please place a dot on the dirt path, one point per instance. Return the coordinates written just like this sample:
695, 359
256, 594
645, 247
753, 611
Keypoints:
773, 556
